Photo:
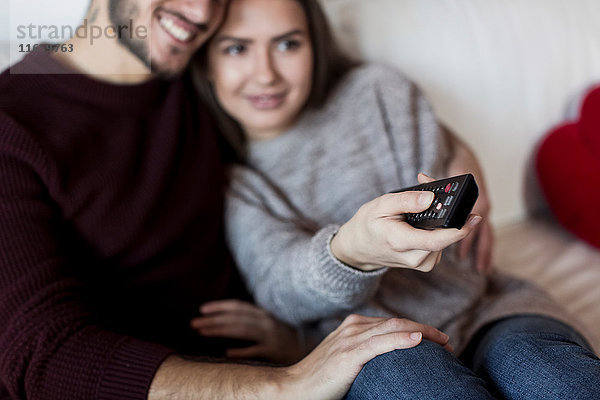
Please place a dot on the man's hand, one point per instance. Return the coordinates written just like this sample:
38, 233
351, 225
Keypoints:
462, 162
378, 235
236, 319
328, 371
482, 237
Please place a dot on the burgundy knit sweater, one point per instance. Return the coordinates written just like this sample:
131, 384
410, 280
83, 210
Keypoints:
110, 231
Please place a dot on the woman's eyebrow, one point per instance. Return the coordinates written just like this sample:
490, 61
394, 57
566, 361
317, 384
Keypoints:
290, 33
220, 39
224, 38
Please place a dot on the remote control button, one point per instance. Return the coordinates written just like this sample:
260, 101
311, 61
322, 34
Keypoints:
442, 213
448, 200
448, 187
454, 186
438, 206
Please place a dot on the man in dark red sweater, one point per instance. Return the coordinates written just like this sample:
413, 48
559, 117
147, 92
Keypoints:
111, 235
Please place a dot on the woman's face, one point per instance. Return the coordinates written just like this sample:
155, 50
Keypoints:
261, 64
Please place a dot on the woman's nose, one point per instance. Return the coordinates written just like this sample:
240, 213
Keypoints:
265, 72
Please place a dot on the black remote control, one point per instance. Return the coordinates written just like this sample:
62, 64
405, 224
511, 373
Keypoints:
454, 199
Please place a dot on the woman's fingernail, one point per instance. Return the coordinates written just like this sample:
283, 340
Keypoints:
425, 198
416, 336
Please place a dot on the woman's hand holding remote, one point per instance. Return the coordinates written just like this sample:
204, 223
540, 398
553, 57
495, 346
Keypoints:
377, 235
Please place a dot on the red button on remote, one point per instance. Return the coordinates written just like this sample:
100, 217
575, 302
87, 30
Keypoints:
448, 187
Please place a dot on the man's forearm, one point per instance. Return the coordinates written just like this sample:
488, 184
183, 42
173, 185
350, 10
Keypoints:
186, 380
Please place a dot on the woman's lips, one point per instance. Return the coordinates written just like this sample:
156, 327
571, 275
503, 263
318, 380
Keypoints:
266, 101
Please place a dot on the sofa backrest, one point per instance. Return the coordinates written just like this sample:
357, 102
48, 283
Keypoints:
500, 73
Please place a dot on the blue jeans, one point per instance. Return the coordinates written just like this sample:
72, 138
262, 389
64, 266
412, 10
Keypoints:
523, 357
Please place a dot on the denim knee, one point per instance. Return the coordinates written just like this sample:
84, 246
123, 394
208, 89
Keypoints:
537, 358
426, 371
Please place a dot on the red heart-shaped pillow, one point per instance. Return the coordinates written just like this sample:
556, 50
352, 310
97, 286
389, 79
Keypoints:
568, 169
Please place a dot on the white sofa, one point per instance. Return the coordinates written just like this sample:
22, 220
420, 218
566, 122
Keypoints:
500, 73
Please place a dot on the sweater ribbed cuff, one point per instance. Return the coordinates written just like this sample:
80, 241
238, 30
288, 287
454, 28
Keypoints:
342, 281
130, 370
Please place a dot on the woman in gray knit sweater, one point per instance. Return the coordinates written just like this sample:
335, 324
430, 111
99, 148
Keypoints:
320, 142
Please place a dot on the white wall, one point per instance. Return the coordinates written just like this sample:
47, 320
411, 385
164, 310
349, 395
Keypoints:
14, 13
499, 72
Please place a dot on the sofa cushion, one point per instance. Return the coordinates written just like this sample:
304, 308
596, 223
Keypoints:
568, 169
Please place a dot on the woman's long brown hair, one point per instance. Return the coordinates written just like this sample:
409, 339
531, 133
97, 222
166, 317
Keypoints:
330, 65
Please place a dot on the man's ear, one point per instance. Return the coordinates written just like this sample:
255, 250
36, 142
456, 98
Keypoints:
93, 3
94, 9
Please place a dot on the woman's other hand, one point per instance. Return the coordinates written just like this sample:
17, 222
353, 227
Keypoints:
236, 319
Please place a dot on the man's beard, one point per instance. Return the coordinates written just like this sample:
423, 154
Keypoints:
120, 12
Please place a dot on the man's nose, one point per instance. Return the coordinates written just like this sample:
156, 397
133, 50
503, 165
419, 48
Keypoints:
201, 12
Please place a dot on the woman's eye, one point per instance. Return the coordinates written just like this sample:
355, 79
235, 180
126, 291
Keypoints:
235, 49
287, 45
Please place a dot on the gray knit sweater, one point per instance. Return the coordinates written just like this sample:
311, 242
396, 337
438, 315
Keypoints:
374, 135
